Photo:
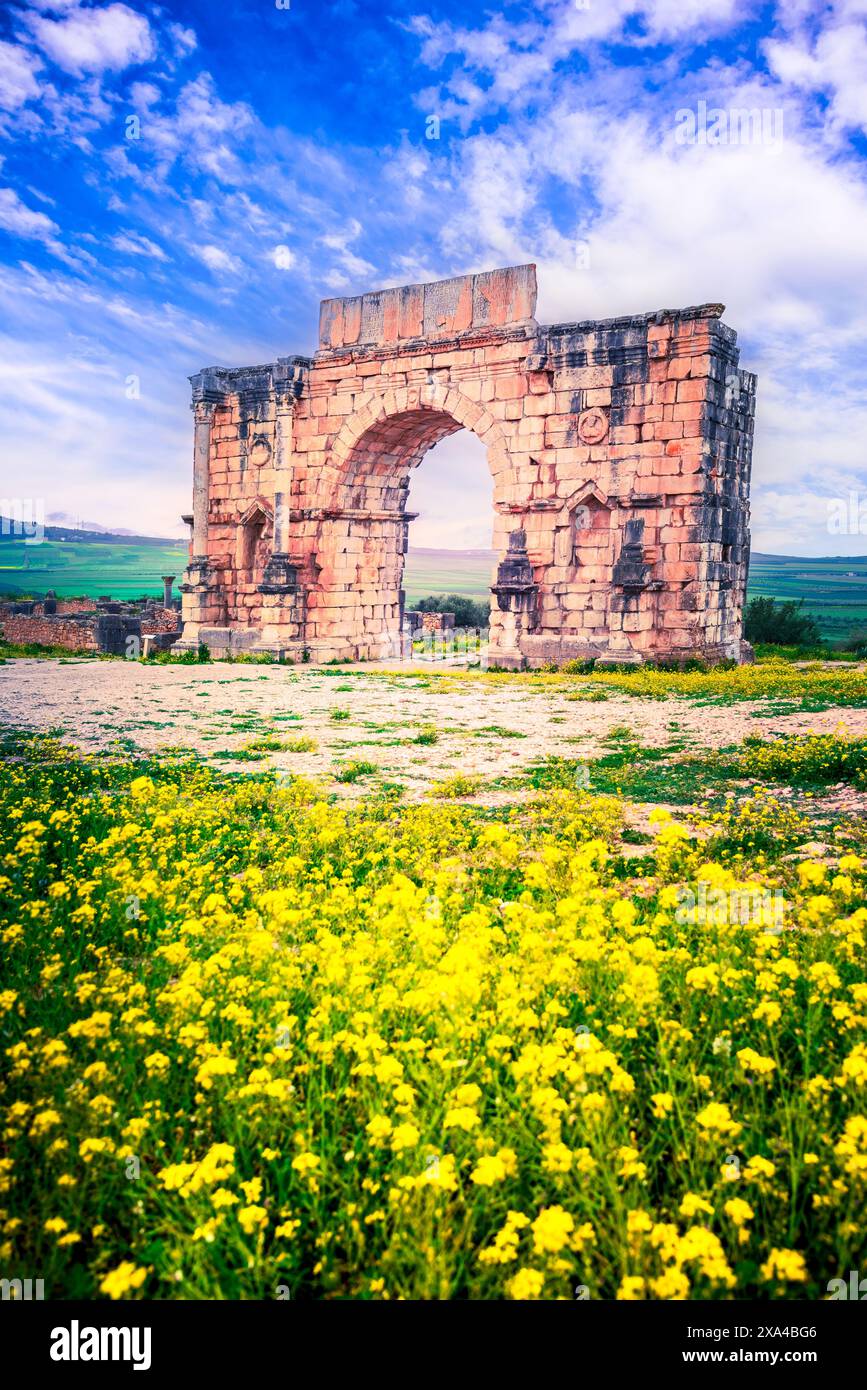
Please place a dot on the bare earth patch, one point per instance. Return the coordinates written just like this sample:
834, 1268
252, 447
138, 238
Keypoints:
484, 729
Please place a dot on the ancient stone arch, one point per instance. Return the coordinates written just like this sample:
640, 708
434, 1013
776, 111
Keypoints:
619, 453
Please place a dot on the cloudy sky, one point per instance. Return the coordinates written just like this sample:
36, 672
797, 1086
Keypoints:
181, 183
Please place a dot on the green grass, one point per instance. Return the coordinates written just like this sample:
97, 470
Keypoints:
88, 568
352, 771
464, 572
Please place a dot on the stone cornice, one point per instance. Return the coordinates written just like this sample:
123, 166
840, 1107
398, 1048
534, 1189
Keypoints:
285, 378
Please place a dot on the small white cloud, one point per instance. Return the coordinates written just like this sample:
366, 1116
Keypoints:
136, 245
18, 218
338, 241
218, 260
350, 264
144, 95
184, 40
40, 196
283, 258
95, 40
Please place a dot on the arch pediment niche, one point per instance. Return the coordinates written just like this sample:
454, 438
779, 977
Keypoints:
258, 512
582, 536
253, 541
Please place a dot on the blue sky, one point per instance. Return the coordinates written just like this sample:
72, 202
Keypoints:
181, 184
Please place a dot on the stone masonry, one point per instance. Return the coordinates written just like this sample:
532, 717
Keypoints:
619, 453
82, 625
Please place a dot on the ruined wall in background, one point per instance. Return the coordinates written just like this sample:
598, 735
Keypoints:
50, 632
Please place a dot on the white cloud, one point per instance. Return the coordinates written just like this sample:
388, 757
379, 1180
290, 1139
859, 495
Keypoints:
109, 38
136, 245
20, 220
218, 260
282, 257
183, 40
836, 64
144, 95
18, 82
350, 266
515, 59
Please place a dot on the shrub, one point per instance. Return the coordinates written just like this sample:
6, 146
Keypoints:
782, 624
304, 744
468, 613
807, 759
856, 642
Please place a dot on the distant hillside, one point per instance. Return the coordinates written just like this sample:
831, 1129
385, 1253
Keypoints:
833, 589
841, 561
12, 531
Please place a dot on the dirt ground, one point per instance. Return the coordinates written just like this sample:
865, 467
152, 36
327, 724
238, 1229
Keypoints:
488, 728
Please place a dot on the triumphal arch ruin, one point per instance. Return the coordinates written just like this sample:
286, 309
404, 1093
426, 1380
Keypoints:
619, 452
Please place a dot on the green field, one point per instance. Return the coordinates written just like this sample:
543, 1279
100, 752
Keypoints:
834, 589
466, 572
87, 567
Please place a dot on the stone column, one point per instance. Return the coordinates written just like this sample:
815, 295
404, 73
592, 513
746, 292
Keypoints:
204, 413
279, 574
282, 474
516, 593
168, 581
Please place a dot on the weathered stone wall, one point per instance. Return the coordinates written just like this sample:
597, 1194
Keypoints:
619, 453
50, 632
94, 630
419, 621
160, 620
73, 605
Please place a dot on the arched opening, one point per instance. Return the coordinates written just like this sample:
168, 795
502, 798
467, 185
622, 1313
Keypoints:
366, 530
450, 556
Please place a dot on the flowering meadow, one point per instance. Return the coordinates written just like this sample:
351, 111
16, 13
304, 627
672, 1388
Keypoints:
261, 1043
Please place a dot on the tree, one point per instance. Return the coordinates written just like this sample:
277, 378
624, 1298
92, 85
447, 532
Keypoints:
468, 613
781, 624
